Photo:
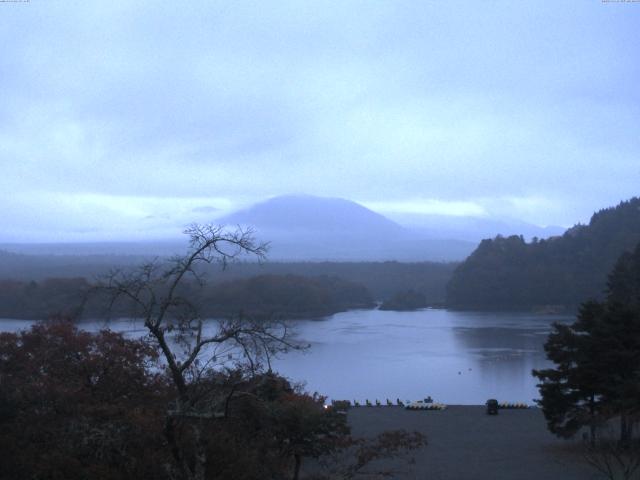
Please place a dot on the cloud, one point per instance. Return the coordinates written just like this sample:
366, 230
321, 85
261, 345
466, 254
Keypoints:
35, 216
451, 108
205, 209
430, 207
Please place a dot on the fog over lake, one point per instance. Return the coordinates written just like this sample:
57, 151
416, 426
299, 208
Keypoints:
455, 357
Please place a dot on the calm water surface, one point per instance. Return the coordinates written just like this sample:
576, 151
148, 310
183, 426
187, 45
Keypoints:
456, 357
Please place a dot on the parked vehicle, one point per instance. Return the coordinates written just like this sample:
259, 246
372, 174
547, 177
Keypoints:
492, 406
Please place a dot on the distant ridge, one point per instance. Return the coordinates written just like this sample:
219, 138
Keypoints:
562, 271
474, 229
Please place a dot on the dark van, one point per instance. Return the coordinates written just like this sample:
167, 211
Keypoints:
492, 406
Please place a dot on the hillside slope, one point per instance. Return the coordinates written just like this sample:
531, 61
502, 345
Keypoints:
560, 271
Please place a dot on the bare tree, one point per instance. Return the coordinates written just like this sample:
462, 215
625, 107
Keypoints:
162, 295
615, 459
360, 457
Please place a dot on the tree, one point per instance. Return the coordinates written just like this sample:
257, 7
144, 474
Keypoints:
161, 294
303, 427
572, 391
613, 459
75, 405
597, 373
190, 401
357, 454
558, 272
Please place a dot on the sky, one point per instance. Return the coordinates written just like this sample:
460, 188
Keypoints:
128, 120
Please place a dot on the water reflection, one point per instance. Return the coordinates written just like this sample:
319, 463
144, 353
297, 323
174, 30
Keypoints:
456, 357
504, 349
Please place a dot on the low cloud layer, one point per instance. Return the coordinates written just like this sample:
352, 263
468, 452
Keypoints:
124, 119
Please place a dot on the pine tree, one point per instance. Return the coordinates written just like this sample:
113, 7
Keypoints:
597, 358
571, 392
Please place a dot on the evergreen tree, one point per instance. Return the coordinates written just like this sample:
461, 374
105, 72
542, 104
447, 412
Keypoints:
597, 372
571, 392
558, 272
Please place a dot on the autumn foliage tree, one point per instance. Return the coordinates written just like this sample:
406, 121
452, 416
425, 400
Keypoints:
75, 405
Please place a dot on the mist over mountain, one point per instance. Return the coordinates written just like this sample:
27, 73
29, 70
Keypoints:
473, 229
304, 227
311, 228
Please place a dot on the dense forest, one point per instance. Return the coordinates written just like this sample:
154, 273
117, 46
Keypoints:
264, 296
35, 286
22, 266
285, 296
556, 273
405, 301
383, 279
42, 299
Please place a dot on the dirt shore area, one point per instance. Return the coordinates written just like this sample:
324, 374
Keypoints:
464, 443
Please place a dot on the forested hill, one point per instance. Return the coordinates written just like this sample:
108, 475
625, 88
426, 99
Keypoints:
509, 273
260, 297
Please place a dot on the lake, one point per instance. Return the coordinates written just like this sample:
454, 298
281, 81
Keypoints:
455, 357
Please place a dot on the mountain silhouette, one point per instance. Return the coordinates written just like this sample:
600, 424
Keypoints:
305, 227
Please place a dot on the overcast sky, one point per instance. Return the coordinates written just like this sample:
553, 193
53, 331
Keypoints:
126, 119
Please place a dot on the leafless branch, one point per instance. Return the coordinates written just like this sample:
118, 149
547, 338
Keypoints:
612, 459
157, 292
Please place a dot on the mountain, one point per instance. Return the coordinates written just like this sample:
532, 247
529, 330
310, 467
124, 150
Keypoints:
473, 229
508, 272
317, 214
304, 227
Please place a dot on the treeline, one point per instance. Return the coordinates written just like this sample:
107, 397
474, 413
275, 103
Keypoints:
559, 272
36, 286
405, 301
382, 279
21, 266
42, 299
264, 296
284, 296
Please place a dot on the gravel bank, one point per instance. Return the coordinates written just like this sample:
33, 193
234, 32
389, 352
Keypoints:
467, 444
